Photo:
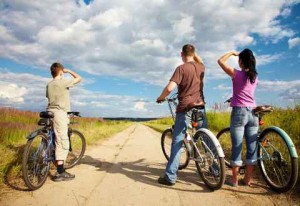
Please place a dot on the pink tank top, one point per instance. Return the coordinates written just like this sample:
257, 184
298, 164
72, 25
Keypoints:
243, 90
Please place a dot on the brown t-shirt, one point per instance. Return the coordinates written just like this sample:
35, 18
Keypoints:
189, 78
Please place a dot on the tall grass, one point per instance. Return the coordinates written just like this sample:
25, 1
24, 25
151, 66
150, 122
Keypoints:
15, 125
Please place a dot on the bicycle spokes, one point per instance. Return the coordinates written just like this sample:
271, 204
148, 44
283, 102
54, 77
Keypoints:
275, 160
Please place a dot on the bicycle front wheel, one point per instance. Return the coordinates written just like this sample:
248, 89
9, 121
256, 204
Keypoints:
209, 160
36, 161
77, 149
224, 138
166, 142
278, 167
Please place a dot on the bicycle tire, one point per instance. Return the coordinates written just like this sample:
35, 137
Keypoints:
210, 162
39, 169
77, 149
166, 140
281, 171
224, 138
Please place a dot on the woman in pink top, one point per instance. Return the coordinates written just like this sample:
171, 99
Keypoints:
243, 120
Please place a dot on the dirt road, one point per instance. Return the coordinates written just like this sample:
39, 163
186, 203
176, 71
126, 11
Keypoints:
123, 170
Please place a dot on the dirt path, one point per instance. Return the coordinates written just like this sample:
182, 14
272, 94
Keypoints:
123, 170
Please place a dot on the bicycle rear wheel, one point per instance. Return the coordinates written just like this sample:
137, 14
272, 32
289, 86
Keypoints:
36, 161
209, 160
224, 138
77, 149
280, 169
166, 142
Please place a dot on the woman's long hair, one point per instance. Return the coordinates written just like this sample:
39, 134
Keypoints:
248, 60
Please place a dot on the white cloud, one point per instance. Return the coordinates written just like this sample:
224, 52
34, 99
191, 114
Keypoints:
184, 29
223, 87
278, 85
140, 106
29, 91
122, 38
286, 12
11, 93
267, 58
292, 95
294, 42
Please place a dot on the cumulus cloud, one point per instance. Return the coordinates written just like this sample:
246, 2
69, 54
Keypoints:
294, 42
11, 93
137, 40
140, 106
28, 91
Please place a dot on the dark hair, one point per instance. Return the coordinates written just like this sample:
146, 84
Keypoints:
248, 60
56, 68
188, 50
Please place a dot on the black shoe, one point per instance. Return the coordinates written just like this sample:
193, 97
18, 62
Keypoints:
65, 176
163, 181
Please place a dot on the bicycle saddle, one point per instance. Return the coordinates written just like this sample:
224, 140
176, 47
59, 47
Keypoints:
263, 109
46, 114
197, 105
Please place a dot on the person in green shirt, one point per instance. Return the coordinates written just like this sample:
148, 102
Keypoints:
57, 92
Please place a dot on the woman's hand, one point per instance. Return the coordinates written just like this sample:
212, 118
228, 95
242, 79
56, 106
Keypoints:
235, 53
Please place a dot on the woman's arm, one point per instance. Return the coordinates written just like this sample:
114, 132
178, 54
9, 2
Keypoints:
223, 64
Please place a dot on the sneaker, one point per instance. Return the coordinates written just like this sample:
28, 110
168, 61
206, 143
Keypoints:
163, 181
65, 176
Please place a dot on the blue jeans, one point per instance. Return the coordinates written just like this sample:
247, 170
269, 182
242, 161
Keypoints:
181, 125
243, 123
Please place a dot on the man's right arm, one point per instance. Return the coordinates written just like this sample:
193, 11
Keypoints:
76, 76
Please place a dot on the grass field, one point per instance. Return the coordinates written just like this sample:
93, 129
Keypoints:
287, 119
15, 125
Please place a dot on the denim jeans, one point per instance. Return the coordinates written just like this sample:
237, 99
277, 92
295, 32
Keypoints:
181, 124
243, 123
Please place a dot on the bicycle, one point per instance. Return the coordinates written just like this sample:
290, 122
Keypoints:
276, 154
201, 146
40, 150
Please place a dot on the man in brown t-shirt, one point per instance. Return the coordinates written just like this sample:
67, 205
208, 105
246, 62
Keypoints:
188, 77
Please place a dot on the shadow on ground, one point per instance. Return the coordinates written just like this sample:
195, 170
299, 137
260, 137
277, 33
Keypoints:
146, 172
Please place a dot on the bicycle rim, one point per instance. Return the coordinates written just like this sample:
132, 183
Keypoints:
224, 138
77, 149
280, 171
166, 143
36, 164
210, 166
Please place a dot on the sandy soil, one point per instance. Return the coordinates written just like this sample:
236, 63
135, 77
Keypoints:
123, 170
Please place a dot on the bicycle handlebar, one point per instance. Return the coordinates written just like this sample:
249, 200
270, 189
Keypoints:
228, 100
74, 114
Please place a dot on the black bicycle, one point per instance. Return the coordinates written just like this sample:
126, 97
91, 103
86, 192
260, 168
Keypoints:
40, 150
276, 153
199, 145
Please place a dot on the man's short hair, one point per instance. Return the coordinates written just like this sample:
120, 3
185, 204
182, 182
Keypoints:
55, 69
188, 50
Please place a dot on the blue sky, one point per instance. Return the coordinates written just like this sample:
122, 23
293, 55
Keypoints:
126, 51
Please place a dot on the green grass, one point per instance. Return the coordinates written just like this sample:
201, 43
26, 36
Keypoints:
15, 125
